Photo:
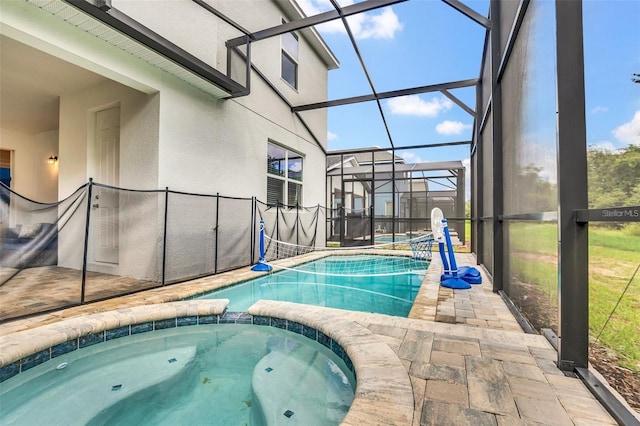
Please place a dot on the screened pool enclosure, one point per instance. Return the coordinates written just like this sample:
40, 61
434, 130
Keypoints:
375, 195
525, 164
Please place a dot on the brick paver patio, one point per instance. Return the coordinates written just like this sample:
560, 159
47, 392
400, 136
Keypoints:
466, 358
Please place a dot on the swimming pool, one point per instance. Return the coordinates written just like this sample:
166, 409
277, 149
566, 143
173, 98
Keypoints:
206, 374
369, 287
389, 238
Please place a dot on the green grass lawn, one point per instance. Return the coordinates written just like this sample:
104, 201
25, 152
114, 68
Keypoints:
613, 257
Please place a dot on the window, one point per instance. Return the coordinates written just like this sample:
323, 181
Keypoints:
284, 176
290, 58
388, 208
358, 203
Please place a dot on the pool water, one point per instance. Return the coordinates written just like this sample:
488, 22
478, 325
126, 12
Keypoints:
323, 283
389, 238
205, 374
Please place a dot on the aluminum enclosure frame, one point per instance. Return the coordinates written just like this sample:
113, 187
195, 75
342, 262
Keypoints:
573, 306
373, 173
571, 140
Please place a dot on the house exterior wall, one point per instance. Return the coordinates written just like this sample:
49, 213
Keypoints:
229, 136
173, 134
183, 22
265, 54
138, 135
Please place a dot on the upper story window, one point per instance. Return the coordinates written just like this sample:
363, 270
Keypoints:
290, 58
284, 176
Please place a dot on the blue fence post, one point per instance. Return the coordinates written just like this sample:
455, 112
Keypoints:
253, 231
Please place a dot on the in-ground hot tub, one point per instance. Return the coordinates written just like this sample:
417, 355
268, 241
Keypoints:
227, 369
384, 393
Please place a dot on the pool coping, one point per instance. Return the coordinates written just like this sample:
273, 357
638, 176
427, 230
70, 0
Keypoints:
384, 393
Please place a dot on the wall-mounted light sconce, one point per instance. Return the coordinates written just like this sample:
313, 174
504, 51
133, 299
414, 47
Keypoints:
52, 159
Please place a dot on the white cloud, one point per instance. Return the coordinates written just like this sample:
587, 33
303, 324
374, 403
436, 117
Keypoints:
411, 157
448, 127
313, 7
603, 146
379, 24
629, 133
599, 109
331, 136
414, 105
382, 25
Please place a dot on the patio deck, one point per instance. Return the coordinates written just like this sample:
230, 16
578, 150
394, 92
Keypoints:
464, 355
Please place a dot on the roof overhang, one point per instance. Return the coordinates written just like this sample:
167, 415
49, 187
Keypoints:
399, 168
122, 32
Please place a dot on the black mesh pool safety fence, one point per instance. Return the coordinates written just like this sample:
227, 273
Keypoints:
102, 242
292, 224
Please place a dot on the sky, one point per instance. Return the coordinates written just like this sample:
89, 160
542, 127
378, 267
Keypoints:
424, 42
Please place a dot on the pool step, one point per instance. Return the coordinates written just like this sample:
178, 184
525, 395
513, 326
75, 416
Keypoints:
292, 385
105, 386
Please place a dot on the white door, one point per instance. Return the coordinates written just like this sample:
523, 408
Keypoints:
105, 201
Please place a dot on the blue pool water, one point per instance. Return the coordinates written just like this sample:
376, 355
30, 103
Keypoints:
205, 374
325, 283
389, 238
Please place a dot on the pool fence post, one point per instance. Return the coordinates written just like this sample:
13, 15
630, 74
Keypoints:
316, 220
277, 228
164, 235
215, 228
261, 266
86, 241
297, 226
253, 231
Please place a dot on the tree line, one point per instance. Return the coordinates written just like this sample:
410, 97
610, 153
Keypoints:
614, 181
614, 177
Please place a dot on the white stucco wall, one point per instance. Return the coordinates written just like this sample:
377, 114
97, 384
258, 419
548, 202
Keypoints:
199, 136
184, 22
138, 170
173, 134
138, 135
266, 55
231, 146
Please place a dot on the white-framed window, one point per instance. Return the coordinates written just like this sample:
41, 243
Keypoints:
388, 208
289, 61
284, 176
